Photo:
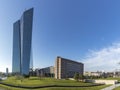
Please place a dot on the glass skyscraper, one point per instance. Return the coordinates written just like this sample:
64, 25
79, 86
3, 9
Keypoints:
16, 64
22, 39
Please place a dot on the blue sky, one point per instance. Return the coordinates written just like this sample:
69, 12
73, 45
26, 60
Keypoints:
87, 31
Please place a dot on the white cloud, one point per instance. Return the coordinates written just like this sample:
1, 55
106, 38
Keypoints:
106, 59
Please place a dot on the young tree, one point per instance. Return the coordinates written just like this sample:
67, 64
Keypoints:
81, 77
76, 76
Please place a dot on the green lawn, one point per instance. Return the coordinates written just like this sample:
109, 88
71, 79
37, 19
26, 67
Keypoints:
118, 88
81, 88
35, 81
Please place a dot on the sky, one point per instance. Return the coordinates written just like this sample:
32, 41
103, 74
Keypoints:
86, 31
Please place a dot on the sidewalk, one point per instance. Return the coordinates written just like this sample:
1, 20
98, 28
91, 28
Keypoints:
111, 87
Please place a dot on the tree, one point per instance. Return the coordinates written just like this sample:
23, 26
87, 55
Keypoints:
76, 76
26, 76
81, 77
19, 77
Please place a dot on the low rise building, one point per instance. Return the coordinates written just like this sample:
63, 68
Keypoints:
98, 73
45, 72
66, 68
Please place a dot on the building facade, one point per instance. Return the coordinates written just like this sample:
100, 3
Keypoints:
22, 39
65, 68
7, 71
98, 73
16, 63
45, 72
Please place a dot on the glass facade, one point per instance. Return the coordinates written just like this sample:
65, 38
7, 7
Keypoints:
25, 40
16, 47
31, 59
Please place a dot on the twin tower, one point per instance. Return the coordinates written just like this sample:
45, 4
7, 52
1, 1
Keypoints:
22, 44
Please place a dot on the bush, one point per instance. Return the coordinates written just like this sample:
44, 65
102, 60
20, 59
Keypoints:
26, 76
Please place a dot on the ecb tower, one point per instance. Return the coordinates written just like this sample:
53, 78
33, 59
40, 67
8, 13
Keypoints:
22, 44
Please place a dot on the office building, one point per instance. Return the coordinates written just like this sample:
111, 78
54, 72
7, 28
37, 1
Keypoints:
22, 39
7, 71
65, 68
16, 63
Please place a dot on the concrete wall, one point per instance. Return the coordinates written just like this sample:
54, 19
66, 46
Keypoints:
103, 81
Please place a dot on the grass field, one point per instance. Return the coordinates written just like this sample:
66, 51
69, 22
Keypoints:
118, 88
81, 88
35, 81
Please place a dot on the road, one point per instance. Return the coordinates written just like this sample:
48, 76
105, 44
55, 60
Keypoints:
111, 87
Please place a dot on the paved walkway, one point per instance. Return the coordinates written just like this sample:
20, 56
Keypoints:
2, 89
111, 87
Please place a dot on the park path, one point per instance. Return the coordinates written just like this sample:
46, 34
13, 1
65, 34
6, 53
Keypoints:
111, 87
2, 89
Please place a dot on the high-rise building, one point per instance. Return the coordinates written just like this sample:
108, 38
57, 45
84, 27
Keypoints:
16, 63
7, 71
65, 68
22, 39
